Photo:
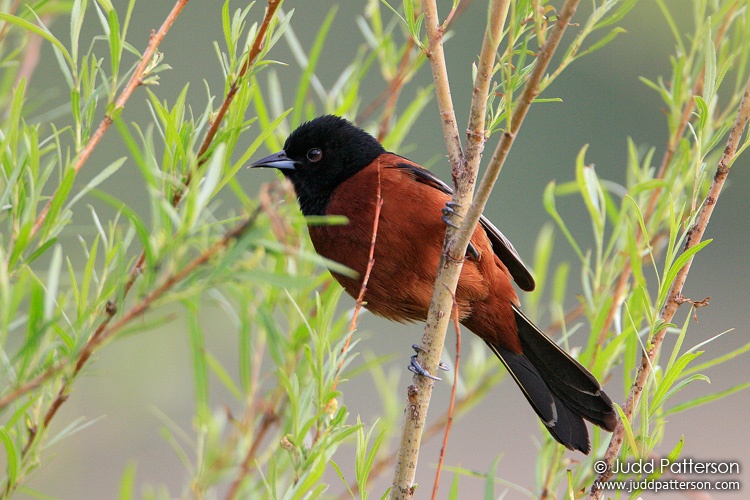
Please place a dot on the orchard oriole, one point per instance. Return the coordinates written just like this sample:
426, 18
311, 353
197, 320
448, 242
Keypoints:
335, 169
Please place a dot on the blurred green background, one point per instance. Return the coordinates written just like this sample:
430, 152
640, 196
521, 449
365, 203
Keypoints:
140, 382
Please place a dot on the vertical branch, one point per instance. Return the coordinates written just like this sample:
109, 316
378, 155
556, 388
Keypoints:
436, 57
455, 243
674, 298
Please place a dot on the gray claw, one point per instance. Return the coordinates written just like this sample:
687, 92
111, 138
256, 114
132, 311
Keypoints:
448, 211
415, 367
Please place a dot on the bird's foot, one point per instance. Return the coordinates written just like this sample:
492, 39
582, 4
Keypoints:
448, 211
415, 367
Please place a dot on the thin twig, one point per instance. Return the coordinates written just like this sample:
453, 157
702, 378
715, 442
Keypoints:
252, 55
381, 98
270, 417
451, 405
30, 385
362, 289
436, 57
112, 307
394, 90
674, 139
695, 234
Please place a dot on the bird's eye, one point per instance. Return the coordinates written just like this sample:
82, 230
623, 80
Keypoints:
314, 155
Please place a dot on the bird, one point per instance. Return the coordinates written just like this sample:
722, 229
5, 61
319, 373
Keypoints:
337, 169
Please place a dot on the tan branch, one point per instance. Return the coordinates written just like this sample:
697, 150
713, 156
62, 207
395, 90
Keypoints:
674, 298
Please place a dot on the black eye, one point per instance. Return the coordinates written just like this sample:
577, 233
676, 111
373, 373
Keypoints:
315, 155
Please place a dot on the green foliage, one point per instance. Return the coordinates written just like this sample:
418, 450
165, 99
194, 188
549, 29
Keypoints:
201, 244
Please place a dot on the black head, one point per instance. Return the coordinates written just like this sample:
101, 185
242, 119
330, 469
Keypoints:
321, 154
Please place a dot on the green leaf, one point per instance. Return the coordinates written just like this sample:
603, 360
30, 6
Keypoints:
682, 260
710, 398
719, 360
58, 199
489, 482
13, 456
42, 32
98, 179
53, 282
601, 42
138, 224
223, 375
591, 191
630, 437
211, 179
312, 62
77, 16
709, 51
200, 368
549, 205
115, 44
127, 483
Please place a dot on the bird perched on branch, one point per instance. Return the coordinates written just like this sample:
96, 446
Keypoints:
336, 169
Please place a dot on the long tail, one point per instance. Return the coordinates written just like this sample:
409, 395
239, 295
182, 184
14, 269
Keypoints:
559, 388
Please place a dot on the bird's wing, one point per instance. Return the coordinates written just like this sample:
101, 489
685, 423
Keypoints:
502, 247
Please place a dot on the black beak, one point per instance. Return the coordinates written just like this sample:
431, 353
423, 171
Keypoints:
277, 160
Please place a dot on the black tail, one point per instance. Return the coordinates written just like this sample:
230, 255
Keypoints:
559, 388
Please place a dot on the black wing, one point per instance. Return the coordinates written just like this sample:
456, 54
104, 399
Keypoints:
502, 247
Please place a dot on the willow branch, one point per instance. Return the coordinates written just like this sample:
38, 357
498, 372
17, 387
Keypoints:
136, 80
674, 298
530, 92
455, 243
213, 129
135, 312
436, 56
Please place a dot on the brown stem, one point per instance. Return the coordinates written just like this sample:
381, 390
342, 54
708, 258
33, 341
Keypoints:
674, 139
252, 55
451, 405
30, 385
394, 90
674, 297
270, 418
361, 297
386, 93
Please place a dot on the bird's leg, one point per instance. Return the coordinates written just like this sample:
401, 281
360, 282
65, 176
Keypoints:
450, 210
415, 367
